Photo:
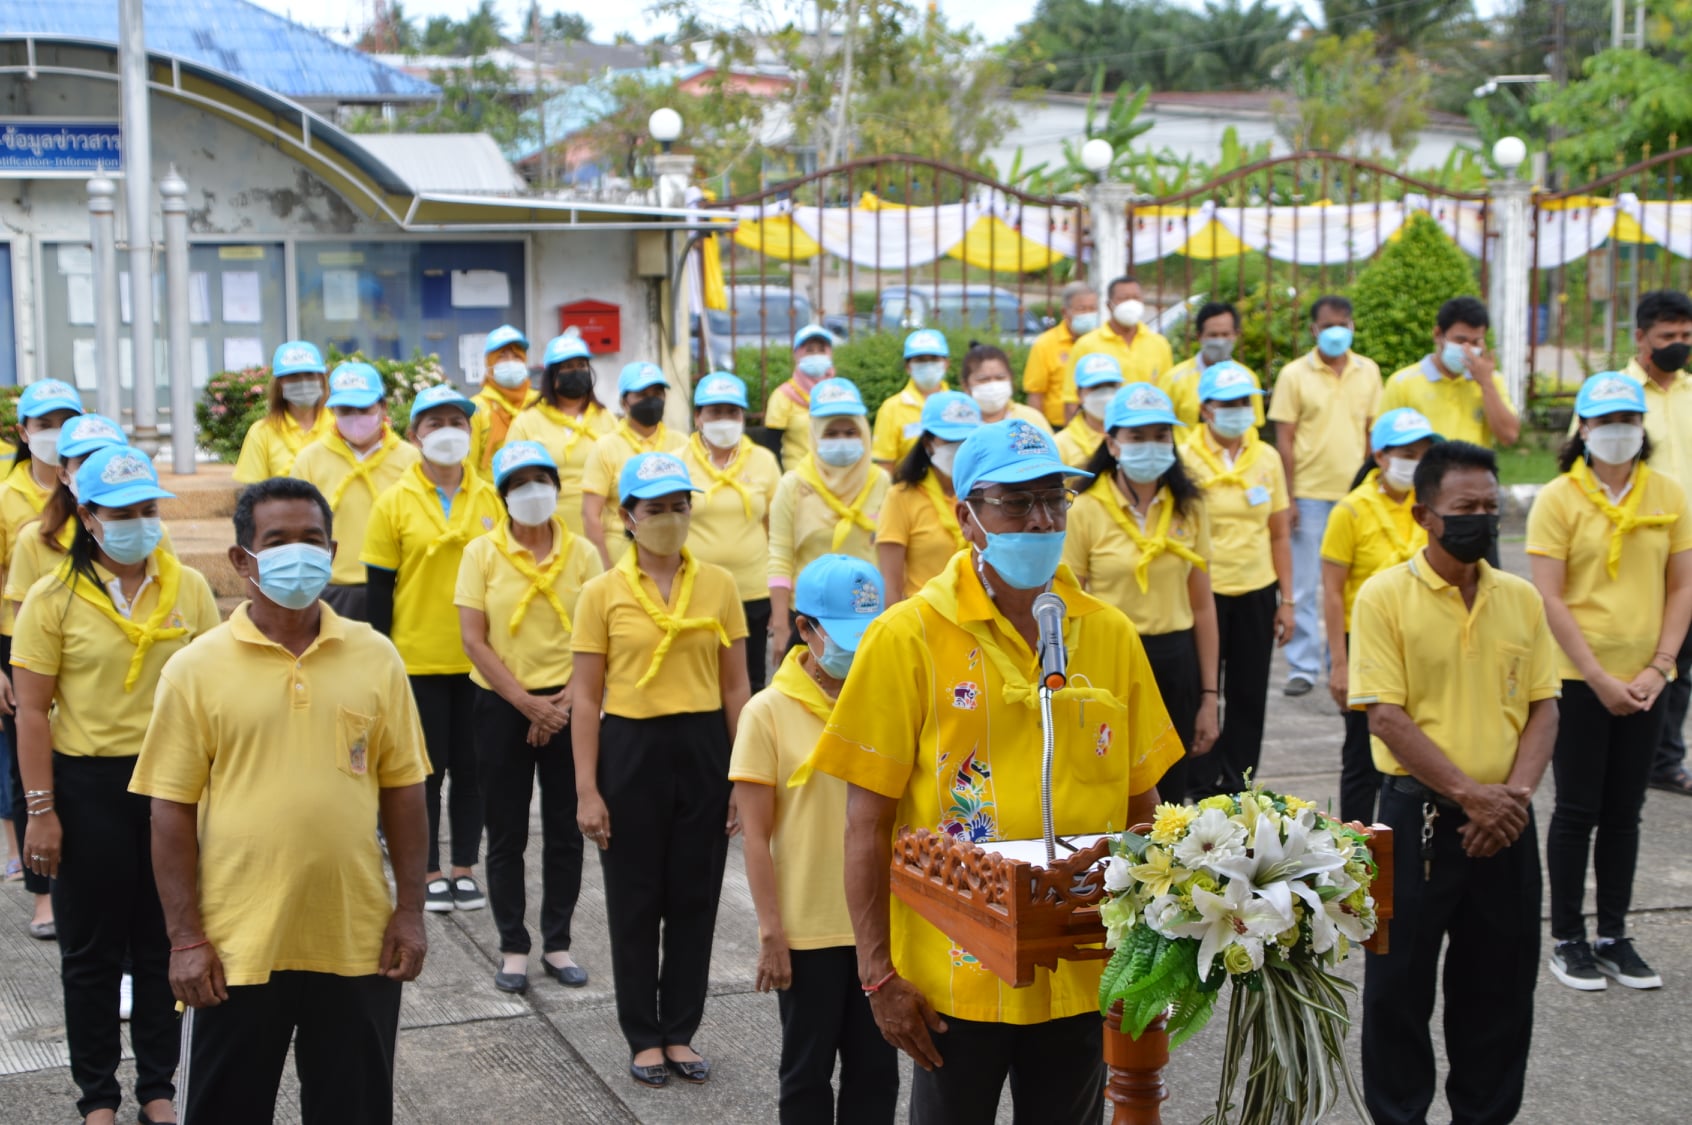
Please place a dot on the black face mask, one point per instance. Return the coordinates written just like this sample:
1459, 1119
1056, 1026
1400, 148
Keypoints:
648, 411
1671, 357
1469, 539
572, 384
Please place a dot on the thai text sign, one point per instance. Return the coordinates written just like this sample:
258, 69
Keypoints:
38, 145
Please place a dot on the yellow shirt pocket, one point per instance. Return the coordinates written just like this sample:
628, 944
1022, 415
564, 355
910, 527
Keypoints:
1513, 664
352, 744
1092, 743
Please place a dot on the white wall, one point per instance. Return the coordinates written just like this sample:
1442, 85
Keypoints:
568, 266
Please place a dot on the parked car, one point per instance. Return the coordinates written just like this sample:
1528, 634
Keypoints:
767, 315
954, 305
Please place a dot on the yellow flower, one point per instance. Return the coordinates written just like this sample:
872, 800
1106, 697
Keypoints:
1237, 959
1294, 804
1171, 821
1158, 873
1288, 937
1221, 802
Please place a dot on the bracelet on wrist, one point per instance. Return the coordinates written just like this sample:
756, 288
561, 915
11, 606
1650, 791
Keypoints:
190, 945
870, 989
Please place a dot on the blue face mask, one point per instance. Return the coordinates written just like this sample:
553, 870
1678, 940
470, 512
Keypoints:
1024, 559
1334, 341
836, 661
129, 541
815, 366
1082, 323
292, 575
1232, 421
1146, 461
1454, 357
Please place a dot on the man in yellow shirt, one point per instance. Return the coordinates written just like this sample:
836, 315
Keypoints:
1455, 665
1143, 354
505, 393
898, 423
1456, 386
787, 410
1323, 404
1048, 377
937, 728
1218, 324
279, 742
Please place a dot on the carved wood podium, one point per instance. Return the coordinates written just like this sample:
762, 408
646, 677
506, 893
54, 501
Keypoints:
1014, 916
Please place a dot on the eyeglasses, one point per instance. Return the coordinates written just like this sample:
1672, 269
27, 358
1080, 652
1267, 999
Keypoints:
1018, 505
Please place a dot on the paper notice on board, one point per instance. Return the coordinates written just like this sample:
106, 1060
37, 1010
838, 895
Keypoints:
84, 369
470, 357
123, 297
199, 362
340, 295
241, 352
79, 294
199, 297
242, 300
480, 289
76, 259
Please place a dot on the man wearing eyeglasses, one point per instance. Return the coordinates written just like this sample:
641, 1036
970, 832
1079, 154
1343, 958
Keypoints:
938, 727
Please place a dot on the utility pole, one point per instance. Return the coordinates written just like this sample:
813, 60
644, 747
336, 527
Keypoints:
540, 102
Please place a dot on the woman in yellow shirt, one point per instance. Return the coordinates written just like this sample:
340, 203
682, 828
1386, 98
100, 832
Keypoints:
504, 395
295, 415
918, 532
1610, 543
652, 774
828, 504
641, 391
567, 420
517, 589
731, 524
90, 643
987, 379
1139, 539
787, 409
1245, 496
1098, 378
1370, 530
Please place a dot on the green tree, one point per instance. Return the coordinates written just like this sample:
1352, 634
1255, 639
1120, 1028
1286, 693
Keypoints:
1344, 94
476, 99
1397, 296
720, 128
1399, 25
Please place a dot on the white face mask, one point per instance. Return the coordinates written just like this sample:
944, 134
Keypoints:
993, 396
44, 446
1095, 403
929, 375
532, 504
1129, 313
1400, 473
942, 456
1614, 444
841, 452
724, 433
306, 392
448, 445
510, 373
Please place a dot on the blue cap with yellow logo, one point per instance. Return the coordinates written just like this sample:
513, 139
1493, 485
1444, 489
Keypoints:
843, 593
1008, 452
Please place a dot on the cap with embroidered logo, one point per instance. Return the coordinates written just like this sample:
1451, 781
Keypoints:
950, 415
1139, 404
502, 336
1402, 426
44, 396
296, 357
87, 432
118, 476
834, 397
443, 394
638, 376
1096, 369
841, 592
561, 348
1609, 392
1227, 382
514, 455
813, 332
653, 474
355, 384
1007, 452
719, 388
926, 341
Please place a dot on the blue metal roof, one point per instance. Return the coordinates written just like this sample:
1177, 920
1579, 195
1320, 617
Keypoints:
233, 36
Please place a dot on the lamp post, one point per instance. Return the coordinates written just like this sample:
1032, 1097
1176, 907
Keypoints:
1107, 213
102, 213
1510, 269
184, 434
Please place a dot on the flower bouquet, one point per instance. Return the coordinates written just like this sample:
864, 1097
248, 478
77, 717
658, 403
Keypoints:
1260, 889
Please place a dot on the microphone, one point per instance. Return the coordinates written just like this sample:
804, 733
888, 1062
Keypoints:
1049, 612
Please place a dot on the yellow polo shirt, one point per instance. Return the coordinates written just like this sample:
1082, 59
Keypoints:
731, 528
60, 634
778, 729
1668, 423
1145, 359
1452, 406
1368, 532
21, 501
1619, 616
924, 719
1238, 500
1048, 372
527, 630
606, 462
898, 423
802, 526
571, 441
791, 416
612, 623
1332, 413
1103, 557
286, 758
490, 427
33, 558
1465, 676
1022, 412
411, 535
1077, 442
1181, 384
272, 443
910, 520
351, 487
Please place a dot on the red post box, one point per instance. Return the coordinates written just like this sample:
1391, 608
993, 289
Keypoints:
600, 323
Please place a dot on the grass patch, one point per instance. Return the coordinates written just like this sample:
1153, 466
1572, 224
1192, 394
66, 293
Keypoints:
1532, 460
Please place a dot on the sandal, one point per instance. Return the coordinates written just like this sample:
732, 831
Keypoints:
1677, 780
14, 870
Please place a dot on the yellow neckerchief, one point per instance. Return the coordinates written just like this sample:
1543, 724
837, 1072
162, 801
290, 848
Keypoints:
1221, 474
22, 481
141, 636
675, 623
1373, 497
540, 581
455, 531
502, 407
576, 428
793, 681
944, 508
1624, 517
726, 477
848, 514
1150, 546
296, 436
360, 469
797, 392
654, 444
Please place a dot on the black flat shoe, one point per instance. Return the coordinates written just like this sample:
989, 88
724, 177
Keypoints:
145, 1120
570, 976
652, 1077
696, 1071
512, 982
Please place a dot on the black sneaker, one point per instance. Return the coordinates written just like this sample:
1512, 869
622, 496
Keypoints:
466, 894
1297, 686
1571, 963
1618, 961
438, 900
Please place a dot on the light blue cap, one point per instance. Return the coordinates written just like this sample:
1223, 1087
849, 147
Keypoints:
1402, 426
842, 592
514, 455
813, 332
443, 394
1609, 392
118, 476
296, 357
355, 384
834, 397
503, 335
1007, 452
720, 388
950, 415
653, 474
87, 432
638, 376
47, 395
926, 341
561, 348
1139, 404
1227, 382
1095, 369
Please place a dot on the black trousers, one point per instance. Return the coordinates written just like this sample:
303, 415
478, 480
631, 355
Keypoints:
509, 767
1056, 1072
824, 1014
1245, 632
446, 708
19, 814
1602, 764
343, 1030
1360, 781
348, 601
1487, 911
1174, 664
1671, 745
757, 641
665, 782
110, 922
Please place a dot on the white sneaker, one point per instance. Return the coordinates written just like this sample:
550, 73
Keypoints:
126, 996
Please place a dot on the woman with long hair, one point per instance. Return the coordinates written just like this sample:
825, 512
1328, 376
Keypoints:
918, 532
294, 413
566, 419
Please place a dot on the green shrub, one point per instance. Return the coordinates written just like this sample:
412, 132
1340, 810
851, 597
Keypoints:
231, 402
1397, 296
1285, 325
9, 410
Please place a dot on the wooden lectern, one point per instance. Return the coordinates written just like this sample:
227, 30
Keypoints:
1014, 915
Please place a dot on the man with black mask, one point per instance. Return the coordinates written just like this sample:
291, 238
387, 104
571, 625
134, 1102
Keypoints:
1455, 664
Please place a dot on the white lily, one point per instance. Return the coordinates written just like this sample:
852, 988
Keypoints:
1274, 871
1210, 837
1233, 917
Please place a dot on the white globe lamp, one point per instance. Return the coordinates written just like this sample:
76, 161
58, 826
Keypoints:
1096, 155
665, 125
1508, 154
